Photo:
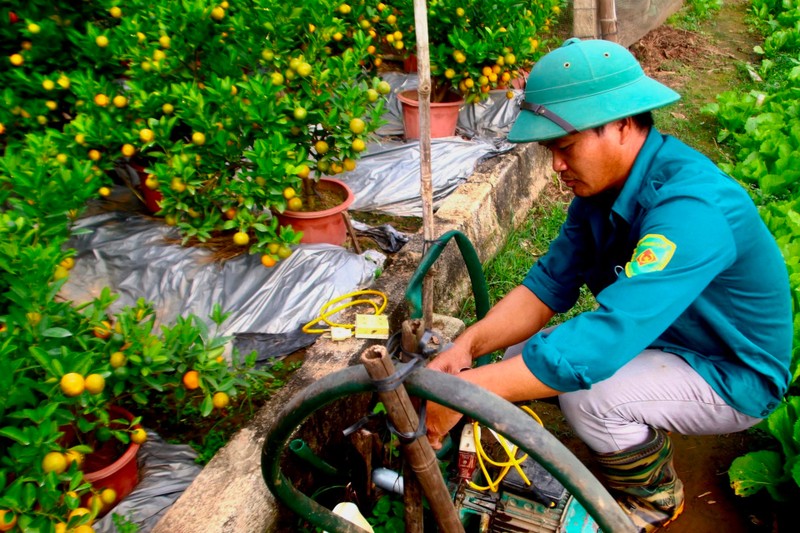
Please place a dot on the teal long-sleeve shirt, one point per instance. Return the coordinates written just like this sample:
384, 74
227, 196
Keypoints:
678, 260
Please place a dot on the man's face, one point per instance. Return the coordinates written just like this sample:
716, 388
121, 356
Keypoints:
589, 162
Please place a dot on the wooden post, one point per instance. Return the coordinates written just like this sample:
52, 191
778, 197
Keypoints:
364, 441
426, 185
412, 501
412, 492
419, 453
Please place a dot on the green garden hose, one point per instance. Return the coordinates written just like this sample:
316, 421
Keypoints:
474, 268
301, 450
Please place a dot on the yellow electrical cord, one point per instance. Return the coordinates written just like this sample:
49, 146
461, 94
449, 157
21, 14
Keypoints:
511, 452
325, 312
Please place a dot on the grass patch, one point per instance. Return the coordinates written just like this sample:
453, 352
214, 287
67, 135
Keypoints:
522, 248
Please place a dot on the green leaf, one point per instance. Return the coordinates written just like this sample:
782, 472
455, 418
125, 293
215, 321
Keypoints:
772, 183
395, 524
15, 434
781, 424
58, 333
85, 426
29, 494
42, 358
383, 506
750, 473
207, 405
795, 471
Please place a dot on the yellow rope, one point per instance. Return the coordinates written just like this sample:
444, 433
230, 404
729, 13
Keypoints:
511, 452
325, 312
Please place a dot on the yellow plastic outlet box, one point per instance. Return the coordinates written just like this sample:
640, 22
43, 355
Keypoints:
372, 327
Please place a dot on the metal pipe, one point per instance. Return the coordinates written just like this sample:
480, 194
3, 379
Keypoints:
450, 391
388, 479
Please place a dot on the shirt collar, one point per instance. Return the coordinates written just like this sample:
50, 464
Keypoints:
628, 199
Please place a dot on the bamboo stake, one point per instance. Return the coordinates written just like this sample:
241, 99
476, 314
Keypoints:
607, 10
419, 453
351, 231
412, 501
412, 333
426, 186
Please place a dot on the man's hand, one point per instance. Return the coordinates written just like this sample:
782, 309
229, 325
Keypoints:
451, 361
510, 379
518, 316
440, 420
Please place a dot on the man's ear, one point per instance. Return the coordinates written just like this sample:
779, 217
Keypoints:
625, 128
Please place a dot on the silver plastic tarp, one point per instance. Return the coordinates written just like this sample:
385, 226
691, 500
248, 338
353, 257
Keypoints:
165, 471
141, 257
387, 178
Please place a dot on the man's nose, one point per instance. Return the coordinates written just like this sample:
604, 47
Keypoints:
559, 165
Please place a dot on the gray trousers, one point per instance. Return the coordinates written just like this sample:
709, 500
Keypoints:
655, 390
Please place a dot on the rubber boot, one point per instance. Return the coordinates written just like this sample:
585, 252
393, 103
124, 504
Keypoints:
645, 483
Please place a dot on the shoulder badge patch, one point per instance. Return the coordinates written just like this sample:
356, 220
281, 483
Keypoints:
652, 253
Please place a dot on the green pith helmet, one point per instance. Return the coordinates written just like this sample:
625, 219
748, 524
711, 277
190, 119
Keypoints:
582, 85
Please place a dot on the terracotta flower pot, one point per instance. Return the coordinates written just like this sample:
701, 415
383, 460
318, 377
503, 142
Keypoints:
520, 81
151, 197
326, 226
444, 115
106, 467
410, 63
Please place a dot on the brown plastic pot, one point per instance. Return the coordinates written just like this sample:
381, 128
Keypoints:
444, 115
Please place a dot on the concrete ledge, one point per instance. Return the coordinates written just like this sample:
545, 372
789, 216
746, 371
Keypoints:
229, 495
496, 198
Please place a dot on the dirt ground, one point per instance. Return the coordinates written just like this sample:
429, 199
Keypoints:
702, 464
700, 65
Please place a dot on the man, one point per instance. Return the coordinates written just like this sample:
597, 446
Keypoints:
692, 330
